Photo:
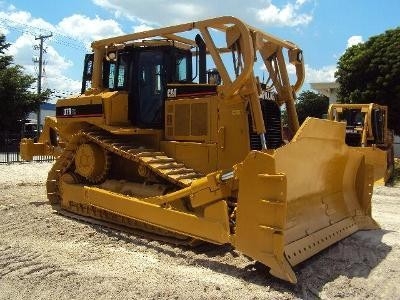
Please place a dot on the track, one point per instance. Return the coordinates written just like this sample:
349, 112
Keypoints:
155, 163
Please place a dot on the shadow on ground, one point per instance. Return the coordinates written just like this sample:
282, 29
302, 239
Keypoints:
355, 256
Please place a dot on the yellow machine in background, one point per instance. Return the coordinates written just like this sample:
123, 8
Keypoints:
176, 136
367, 131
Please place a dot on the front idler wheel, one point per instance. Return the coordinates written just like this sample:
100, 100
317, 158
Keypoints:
92, 162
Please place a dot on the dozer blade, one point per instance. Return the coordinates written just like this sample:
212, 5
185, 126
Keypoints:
302, 197
378, 159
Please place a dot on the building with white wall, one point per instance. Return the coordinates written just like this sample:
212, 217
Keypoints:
46, 109
328, 89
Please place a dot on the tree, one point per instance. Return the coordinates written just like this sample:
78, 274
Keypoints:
309, 104
5, 60
16, 100
370, 72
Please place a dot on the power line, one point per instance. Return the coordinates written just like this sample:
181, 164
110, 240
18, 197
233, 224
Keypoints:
54, 37
23, 25
58, 37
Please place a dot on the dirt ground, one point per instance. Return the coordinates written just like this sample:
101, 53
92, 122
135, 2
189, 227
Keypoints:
44, 255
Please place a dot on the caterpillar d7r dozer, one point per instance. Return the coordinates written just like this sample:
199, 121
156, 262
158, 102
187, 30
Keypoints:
193, 153
367, 131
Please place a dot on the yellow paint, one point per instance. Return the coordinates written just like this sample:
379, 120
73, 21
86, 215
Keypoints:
277, 206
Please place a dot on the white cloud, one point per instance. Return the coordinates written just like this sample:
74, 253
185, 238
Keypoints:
55, 59
60, 84
300, 2
76, 26
164, 12
22, 50
189, 10
53, 68
75, 30
354, 40
289, 15
3, 30
87, 30
157, 12
142, 27
323, 74
25, 22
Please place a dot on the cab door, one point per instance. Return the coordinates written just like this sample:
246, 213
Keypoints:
149, 89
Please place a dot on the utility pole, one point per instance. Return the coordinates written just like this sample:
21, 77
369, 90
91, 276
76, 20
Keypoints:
39, 84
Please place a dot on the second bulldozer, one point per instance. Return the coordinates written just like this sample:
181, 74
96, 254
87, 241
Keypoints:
175, 135
367, 131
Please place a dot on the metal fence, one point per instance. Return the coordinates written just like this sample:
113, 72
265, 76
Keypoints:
14, 157
9, 150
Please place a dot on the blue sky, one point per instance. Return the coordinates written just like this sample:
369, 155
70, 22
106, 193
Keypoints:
322, 28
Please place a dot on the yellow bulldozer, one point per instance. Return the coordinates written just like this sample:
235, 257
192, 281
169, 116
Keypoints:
367, 131
175, 135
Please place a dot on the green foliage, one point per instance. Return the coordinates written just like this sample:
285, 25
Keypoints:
15, 100
309, 104
370, 72
5, 60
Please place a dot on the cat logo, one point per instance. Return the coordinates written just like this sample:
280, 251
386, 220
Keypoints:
171, 93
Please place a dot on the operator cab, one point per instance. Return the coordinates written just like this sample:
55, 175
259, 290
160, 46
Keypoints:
355, 122
354, 119
144, 72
